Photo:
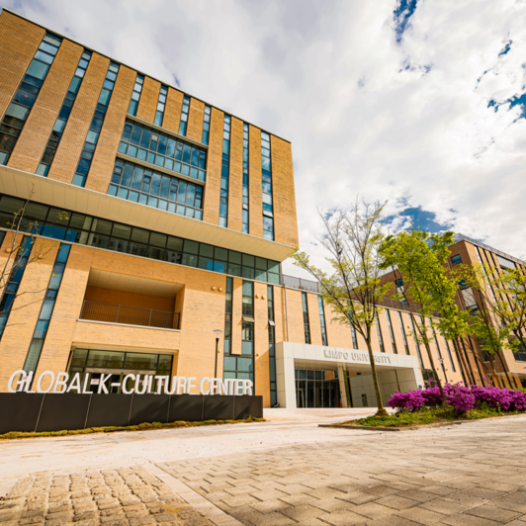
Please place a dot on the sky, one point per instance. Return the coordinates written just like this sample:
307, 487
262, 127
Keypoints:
420, 103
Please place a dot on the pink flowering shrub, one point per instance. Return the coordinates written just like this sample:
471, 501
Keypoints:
460, 397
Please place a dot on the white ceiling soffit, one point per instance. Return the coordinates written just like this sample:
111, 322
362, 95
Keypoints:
152, 287
62, 195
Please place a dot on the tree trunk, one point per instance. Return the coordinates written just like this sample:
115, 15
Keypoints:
439, 382
461, 360
381, 409
496, 378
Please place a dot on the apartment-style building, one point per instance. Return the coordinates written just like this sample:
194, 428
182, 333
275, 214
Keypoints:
153, 231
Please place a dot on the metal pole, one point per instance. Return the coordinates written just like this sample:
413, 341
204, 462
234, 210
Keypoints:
217, 351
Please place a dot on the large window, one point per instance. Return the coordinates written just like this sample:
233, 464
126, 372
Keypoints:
161, 103
322, 322
74, 227
245, 218
228, 315
379, 330
136, 95
26, 95
247, 327
163, 150
305, 308
272, 346
266, 171
206, 125
241, 367
183, 124
225, 173
391, 332
140, 185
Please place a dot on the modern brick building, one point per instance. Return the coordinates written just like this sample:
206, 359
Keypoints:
160, 219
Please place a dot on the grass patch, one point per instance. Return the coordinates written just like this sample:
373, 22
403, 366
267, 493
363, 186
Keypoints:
425, 416
114, 429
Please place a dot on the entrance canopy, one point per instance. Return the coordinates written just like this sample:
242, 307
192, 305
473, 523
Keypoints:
395, 372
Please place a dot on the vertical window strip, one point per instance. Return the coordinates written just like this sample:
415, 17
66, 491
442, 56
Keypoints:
458, 360
468, 361
272, 346
391, 332
403, 333
353, 331
228, 315
206, 125
379, 330
266, 173
486, 274
13, 282
449, 354
84, 165
39, 336
136, 95
18, 111
245, 217
225, 172
416, 344
436, 345
183, 124
322, 322
161, 103
63, 116
306, 326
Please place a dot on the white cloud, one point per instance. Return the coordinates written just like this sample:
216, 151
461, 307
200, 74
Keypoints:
407, 121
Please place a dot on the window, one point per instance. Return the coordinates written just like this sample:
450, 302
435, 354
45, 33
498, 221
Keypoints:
456, 259
272, 346
63, 116
403, 333
322, 322
161, 102
184, 116
82, 229
136, 95
206, 125
228, 315
225, 172
46, 311
247, 327
86, 156
399, 282
463, 284
416, 344
240, 367
245, 179
135, 183
473, 310
26, 95
305, 306
266, 172
146, 144
379, 330
393, 341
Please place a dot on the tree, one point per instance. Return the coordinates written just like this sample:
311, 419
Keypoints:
420, 260
23, 250
353, 289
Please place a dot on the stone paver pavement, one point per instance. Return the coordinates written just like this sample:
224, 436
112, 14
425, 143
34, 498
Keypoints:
122, 497
473, 474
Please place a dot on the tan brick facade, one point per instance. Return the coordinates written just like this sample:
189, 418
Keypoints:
19, 40
235, 190
172, 110
76, 130
195, 120
149, 98
213, 168
103, 162
255, 207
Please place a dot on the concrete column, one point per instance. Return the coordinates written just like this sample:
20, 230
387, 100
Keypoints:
343, 391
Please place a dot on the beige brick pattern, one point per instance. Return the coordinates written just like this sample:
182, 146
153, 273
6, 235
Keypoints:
213, 169
195, 120
261, 345
104, 159
237, 314
74, 136
284, 197
149, 98
172, 110
235, 190
295, 317
34, 137
255, 206
278, 314
19, 40
314, 319
26, 309
129, 299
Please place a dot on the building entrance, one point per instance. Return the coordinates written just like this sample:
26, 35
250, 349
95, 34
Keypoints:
317, 389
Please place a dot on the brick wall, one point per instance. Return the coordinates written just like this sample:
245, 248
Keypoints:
314, 319
149, 98
213, 169
261, 349
172, 110
19, 41
235, 190
195, 120
255, 207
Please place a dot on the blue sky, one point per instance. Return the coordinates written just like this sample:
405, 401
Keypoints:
418, 102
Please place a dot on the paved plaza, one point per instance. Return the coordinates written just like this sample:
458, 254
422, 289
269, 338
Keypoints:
286, 471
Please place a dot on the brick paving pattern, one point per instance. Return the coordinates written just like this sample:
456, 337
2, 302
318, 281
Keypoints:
122, 497
465, 475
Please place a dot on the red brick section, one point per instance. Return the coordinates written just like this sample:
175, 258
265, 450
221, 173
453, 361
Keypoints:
255, 207
235, 190
19, 41
74, 136
148, 100
172, 110
104, 159
34, 137
285, 220
195, 120
213, 169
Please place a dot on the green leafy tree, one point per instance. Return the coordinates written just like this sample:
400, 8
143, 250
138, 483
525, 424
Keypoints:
420, 259
353, 288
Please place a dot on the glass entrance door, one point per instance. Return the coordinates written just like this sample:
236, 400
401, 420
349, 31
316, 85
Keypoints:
317, 389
